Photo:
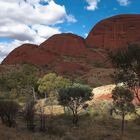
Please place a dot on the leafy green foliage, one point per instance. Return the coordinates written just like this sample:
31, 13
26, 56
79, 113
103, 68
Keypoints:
74, 97
75, 92
51, 83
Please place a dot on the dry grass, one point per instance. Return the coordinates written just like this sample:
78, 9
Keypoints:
90, 127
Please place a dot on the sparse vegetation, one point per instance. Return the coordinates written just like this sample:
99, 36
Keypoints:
41, 111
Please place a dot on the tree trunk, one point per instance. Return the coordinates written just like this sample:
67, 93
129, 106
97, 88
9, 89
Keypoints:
64, 109
42, 122
45, 95
75, 118
137, 96
122, 128
34, 94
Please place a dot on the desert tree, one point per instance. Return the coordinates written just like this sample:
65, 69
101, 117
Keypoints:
49, 85
74, 97
122, 103
127, 67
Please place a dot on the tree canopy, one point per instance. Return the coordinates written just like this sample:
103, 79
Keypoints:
74, 97
127, 67
51, 83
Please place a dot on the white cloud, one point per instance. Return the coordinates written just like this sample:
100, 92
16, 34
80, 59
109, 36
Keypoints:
49, 14
71, 18
17, 31
123, 2
28, 21
92, 4
23, 32
19, 16
85, 35
32, 2
45, 31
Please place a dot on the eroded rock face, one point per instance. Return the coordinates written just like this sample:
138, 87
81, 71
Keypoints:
65, 44
115, 32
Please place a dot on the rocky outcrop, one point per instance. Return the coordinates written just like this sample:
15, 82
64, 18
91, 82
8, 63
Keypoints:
115, 32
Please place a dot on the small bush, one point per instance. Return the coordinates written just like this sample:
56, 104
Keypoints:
8, 112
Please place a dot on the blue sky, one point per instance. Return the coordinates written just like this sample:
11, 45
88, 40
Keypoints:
33, 21
86, 19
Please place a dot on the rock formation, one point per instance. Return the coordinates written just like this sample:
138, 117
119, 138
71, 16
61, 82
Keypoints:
29, 53
68, 52
65, 44
117, 31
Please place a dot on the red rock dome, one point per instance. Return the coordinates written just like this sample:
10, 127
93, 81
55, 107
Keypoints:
115, 32
29, 53
66, 51
65, 44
